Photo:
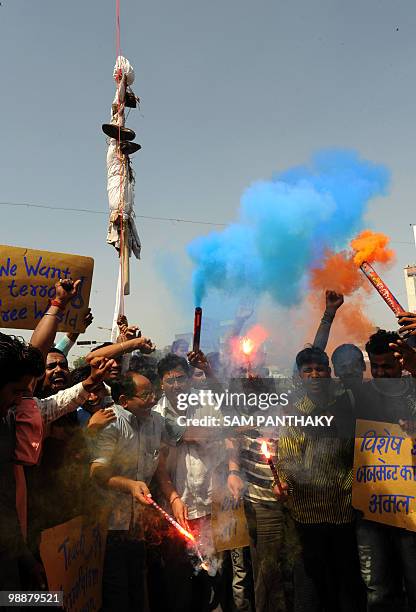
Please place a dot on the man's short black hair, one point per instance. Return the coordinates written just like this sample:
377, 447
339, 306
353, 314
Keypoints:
312, 354
378, 343
171, 362
122, 386
57, 351
145, 369
18, 359
347, 349
80, 374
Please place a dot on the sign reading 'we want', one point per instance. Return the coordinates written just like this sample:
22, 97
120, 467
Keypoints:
27, 283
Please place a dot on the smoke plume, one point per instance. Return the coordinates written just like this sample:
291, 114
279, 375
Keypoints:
286, 226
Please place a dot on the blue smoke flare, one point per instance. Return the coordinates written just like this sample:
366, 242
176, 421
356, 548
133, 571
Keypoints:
285, 225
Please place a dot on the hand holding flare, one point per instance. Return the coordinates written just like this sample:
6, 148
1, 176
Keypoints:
187, 534
266, 453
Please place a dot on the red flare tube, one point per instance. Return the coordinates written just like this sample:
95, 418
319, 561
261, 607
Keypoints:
197, 329
171, 520
275, 474
382, 288
266, 453
177, 526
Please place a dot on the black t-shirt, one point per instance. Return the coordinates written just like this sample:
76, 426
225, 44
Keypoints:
388, 400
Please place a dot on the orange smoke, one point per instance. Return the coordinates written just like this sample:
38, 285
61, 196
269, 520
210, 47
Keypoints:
371, 247
341, 273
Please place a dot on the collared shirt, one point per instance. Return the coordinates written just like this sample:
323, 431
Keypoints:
83, 416
130, 448
317, 464
191, 465
67, 400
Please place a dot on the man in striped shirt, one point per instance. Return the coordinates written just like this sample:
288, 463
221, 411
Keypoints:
316, 466
250, 475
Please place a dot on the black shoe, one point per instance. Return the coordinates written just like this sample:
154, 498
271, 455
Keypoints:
118, 133
128, 148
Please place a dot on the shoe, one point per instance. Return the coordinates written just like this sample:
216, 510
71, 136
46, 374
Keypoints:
118, 133
128, 148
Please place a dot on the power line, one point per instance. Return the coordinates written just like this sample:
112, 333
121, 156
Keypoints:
149, 217
102, 212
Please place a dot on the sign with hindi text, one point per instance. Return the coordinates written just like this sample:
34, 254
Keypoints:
384, 485
27, 283
73, 556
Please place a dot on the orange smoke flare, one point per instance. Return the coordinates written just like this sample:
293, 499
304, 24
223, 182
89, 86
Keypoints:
341, 273
371, 247
338, 272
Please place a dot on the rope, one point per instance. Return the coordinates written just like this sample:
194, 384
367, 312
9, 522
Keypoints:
121, 163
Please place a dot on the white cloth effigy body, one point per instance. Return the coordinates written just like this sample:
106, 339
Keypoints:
120, 190
120, 183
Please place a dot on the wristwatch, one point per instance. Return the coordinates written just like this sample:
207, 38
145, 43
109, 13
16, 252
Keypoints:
235, 473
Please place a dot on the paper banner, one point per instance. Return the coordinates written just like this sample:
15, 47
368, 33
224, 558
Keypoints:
228, 521
384, 485
27, 283
73, 555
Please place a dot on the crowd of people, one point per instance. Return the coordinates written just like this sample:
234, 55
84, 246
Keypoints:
105, 439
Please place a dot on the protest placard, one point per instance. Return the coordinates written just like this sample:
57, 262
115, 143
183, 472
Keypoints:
384, 486
228, 521
27, 283
73, 556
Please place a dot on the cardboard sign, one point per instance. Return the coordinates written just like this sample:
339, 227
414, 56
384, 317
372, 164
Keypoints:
384, 486
73, 556
27, 283
228, 521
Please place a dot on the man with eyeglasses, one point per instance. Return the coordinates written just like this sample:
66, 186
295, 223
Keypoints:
125, 458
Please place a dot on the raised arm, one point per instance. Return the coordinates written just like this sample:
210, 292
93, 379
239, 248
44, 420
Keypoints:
44, 335
144, 345
68, 400
68, 341
198, 360
333, 301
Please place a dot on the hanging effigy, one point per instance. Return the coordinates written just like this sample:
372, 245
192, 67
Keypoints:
122, 231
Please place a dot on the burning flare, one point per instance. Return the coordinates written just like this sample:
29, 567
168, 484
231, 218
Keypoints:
184, 532
247, 346
265, 449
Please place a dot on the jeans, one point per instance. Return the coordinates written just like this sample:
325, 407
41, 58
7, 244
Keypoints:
331, 581
266, 529
388, 559
124, 574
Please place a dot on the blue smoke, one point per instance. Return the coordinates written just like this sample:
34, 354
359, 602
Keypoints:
285, 225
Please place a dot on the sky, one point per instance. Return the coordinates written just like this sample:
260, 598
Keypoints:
232, 92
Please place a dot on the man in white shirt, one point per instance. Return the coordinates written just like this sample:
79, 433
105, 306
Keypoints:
190, 466
126, 455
